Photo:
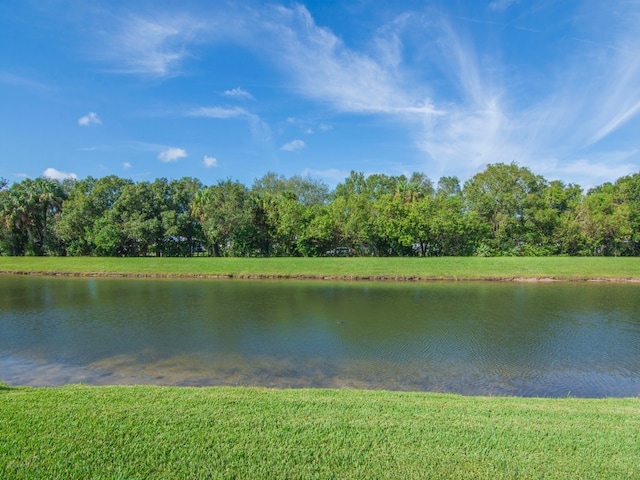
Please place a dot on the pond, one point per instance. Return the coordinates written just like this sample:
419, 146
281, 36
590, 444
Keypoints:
546, 339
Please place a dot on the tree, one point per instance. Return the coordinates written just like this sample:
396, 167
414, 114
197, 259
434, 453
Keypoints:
608, 218
449, 187
357, 219
628, 193
394, 223
28, 209
282, 208
181, 230
87, 219
318, 235
500, 196
548, 220
138, 214
353, 218
306, 190
223, 210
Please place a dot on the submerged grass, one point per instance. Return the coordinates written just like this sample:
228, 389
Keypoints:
219, 432
449, 268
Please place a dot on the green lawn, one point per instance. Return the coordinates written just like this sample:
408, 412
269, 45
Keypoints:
454, 268
169, 432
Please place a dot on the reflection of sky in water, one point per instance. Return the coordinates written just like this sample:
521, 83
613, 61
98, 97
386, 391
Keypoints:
475, 338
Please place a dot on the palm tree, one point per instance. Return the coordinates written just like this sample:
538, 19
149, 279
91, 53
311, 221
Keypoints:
199, 204
26, 210
49, 199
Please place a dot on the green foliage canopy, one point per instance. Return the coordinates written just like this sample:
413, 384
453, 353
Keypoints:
504, 210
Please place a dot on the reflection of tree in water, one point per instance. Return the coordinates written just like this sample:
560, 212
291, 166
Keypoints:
490, 338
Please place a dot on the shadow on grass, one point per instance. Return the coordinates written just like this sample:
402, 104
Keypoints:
6, 388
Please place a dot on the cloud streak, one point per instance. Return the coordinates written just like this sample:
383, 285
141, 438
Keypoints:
325, 69
23, 82
462, 104
238, 93
293, 146
155, 46
259, 128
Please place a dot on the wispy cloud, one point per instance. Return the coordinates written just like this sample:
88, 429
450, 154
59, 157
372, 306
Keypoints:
239, 93
154, 45
589, 94
306, 126
500, 24
459, 106
172, 154
126, 165
293, 146
220, 112
58, 175
259, 128
592, 95
23, 82
592, 171
325, 69
501, 5
89, 119
616, 99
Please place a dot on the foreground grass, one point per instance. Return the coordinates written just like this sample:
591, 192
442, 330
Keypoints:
450, 268
166, 432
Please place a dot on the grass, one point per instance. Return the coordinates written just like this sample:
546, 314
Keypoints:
177, 432
450, 268
167, 432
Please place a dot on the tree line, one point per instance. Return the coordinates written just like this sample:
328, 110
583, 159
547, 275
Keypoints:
504, 210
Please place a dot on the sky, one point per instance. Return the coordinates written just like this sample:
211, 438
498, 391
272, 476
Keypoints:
235, 89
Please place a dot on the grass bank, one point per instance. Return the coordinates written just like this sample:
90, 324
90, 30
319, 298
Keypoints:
167, 432
447, 268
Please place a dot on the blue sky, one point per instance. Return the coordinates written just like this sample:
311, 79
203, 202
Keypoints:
234, 89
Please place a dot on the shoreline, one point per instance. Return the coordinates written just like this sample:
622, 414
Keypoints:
311, 277
351, 269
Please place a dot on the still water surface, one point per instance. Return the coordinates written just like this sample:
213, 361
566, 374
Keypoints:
472, 338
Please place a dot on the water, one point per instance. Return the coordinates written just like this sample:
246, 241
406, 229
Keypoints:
553, 339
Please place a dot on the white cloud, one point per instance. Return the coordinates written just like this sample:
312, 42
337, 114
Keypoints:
126, 165
238, 93
325, 69
172, 154
482, 115
154, 46
293, 146
58, 175
463, 104
90, 118
259, 128
210, 162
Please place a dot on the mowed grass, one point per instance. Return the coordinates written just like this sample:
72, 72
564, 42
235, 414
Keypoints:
214, 432
449, 268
